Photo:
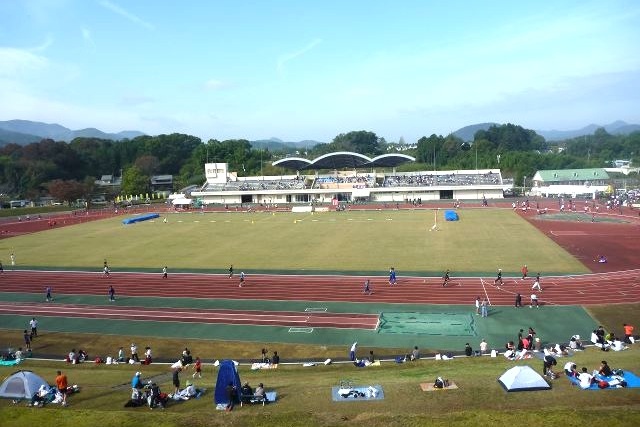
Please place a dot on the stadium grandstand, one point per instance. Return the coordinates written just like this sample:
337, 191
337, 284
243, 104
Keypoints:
345, 177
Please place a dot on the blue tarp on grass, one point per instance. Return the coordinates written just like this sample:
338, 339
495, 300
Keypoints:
140, 218
633, 381
450, 215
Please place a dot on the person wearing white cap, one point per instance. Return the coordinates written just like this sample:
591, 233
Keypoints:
136, 386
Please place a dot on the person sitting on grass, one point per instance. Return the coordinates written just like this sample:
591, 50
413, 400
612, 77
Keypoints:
604, 369
571, 370
586, 379
575, 343
41, 396
247, 392
189, 391
260, 393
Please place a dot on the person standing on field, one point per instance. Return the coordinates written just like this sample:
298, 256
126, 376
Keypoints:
62, 384
33, 324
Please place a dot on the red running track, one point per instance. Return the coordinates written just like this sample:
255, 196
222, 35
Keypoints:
597, 288
233, 317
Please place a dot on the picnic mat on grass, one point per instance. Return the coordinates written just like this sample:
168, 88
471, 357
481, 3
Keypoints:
633, 381
354, 394
430, 387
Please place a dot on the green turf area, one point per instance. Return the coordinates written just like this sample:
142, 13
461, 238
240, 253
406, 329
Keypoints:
580, 217
424, 325
348, 242
443, 327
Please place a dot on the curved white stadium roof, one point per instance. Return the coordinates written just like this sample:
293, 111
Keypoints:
344, 159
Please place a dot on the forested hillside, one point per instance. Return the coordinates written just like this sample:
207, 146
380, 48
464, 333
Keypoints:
33, 170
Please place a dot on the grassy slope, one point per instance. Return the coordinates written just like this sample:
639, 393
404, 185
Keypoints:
481, 241
304, 396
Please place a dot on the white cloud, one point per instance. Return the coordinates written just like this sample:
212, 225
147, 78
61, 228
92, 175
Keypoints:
213, 84
136, 99
126, 14
87, 37
14, 63
48, 41
282, 61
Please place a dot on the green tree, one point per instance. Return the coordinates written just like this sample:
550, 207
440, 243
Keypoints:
134, 181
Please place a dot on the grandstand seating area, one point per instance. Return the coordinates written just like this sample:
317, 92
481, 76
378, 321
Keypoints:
335, 182
408, 179
433, 179
257, 185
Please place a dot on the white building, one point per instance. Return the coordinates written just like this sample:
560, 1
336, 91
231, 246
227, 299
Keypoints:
570, 183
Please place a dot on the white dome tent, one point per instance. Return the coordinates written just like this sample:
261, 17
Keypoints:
523, 378
21, 385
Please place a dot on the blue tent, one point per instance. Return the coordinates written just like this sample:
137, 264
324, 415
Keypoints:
450, 215
227, 374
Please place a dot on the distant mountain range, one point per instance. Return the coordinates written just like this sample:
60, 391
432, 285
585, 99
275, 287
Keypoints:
616, 128
25, 132
275, 144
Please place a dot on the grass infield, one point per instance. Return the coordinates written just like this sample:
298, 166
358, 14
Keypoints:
348, 242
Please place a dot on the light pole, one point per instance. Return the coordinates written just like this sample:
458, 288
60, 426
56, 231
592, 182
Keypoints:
476, 160
524, 184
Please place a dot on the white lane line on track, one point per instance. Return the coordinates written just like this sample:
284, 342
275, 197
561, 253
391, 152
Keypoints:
485, 290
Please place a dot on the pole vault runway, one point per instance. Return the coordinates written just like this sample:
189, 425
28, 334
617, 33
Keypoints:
232, 317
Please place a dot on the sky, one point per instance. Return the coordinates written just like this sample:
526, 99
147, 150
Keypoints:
300, 70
